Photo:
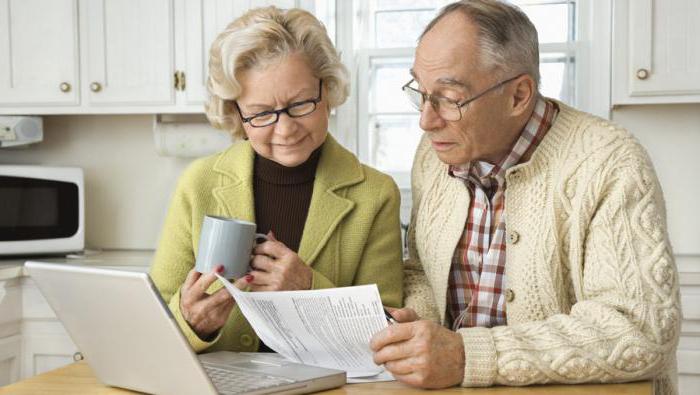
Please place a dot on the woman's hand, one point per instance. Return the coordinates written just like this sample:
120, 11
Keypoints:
277, 268
206, 313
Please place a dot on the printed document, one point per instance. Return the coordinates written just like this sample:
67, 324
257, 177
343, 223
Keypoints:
326, 327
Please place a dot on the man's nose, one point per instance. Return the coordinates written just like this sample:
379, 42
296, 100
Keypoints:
430, 120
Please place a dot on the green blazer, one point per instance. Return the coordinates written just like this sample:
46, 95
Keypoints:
352, 233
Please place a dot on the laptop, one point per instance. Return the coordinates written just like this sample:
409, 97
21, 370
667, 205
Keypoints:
130, 339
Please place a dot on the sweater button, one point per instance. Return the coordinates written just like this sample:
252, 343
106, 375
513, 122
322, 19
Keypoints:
513, 237
246, 340
510, 295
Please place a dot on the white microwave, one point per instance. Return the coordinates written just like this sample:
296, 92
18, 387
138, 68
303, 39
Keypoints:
42, 210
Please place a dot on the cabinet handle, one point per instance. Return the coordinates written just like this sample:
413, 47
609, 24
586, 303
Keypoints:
65, 87
642, 74
78, 356
95, 87
180, 80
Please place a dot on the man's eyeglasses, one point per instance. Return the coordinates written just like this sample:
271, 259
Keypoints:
294, 110
448, 109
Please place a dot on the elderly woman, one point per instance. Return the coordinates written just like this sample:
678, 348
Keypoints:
274, 77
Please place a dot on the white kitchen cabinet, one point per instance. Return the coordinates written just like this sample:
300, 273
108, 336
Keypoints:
32, 339
45, 343
201, 21
10, 357
656, 51
133, 56
688, 353
10, 330
39, 53
44, 352
128, 50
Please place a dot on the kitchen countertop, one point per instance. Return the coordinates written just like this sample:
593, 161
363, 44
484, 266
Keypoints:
139, 260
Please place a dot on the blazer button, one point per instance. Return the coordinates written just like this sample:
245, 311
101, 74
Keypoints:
246, 340
510, 295
513, 237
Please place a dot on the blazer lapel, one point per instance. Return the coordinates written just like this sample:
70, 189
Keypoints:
337, 168
234, 194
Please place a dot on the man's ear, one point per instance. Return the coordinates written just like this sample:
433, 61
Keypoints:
523, 93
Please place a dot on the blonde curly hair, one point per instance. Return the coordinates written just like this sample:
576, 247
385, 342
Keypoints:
257, 38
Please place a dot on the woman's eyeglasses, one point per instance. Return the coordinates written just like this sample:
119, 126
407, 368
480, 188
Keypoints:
294, 110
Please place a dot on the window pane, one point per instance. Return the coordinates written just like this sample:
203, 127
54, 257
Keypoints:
552, 84
325, 11
550, 20
400, 28
404, 4
394, 140
388, 76
556, 71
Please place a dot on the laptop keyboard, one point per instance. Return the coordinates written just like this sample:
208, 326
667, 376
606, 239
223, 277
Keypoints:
230, 380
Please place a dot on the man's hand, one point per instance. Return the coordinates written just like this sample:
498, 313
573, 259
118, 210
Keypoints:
420, 353
406, 314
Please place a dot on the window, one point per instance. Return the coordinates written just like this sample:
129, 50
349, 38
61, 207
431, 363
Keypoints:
385, 33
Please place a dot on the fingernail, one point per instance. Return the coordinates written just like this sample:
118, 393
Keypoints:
220, 269
249, 278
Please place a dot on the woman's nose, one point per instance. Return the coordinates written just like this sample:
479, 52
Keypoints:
285, 125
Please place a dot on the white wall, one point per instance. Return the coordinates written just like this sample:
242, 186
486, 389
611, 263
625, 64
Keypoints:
128, 185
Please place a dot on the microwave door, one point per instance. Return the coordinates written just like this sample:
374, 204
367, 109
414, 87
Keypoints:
37, 209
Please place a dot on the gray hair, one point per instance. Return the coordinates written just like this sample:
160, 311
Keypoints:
257, 38
507, 38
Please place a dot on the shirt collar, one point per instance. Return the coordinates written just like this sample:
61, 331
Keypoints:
535, 129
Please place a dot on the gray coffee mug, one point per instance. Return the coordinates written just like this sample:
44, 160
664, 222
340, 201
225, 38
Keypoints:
227, 242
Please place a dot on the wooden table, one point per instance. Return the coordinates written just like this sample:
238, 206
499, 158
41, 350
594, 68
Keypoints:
78, 378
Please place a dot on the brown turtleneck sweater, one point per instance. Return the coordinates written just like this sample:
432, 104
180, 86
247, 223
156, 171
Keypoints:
282, 197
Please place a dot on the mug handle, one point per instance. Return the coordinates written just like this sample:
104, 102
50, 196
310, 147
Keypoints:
260, 236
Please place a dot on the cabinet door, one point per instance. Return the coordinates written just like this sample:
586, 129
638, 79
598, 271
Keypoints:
688, 352
204, 20
656, 51
38, 52
44, 352
128, 49
45, 342
10, 353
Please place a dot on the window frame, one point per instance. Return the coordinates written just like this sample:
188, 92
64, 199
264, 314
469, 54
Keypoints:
591, 50
402, 178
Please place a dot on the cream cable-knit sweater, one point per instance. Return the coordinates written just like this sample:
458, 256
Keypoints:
594, 284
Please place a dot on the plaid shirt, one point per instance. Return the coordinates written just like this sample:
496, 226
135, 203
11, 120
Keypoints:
475, 293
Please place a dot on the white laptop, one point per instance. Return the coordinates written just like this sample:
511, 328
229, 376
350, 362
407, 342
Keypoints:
130, 339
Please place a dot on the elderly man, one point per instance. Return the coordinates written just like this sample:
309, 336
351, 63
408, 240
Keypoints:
539, 251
